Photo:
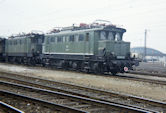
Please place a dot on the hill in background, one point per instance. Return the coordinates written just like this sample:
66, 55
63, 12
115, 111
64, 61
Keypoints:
149, 51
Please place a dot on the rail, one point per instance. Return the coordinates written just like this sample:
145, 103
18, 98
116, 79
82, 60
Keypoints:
93, 93
83, 103
8, 108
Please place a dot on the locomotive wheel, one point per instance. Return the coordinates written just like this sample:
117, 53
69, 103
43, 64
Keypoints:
95, 68
74, 65
85, 67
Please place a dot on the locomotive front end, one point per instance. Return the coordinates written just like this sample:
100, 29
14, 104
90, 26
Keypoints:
115, 51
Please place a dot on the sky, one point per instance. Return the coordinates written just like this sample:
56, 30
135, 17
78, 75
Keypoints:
135, 16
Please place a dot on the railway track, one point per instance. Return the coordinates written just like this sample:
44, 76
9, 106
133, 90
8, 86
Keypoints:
148, 73
30, 104
128, 76
68, 100
101, 95
6, 108
148, 80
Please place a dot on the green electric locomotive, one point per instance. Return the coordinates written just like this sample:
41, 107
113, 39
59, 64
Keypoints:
91, 48
24, 48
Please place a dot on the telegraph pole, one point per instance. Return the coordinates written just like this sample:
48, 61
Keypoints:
145, 45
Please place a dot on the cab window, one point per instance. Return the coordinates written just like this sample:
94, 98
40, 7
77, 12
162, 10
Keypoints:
111, 36
118, 37
103, 35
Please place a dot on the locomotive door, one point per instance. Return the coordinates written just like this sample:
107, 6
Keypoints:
39, 44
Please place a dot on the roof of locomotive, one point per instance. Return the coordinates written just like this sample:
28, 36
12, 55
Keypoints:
22, 36
74, 30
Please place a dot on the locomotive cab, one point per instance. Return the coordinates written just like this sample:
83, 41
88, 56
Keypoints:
36, 43
111, 42
113, 49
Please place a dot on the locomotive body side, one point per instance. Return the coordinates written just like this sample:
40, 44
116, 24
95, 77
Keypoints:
70, 43
68, 49
93, 50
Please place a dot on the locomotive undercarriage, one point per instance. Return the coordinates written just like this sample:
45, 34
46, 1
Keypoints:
23, 60
89, 64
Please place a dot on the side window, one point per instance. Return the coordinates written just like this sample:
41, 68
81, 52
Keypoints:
81, 37
52, 39
10, 42
59, 39
20, 41
71, 38
76, 37
87, 37
66, 38
48, 41
55, 39
23, 42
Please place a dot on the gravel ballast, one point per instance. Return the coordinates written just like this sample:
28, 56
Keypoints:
143, 89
